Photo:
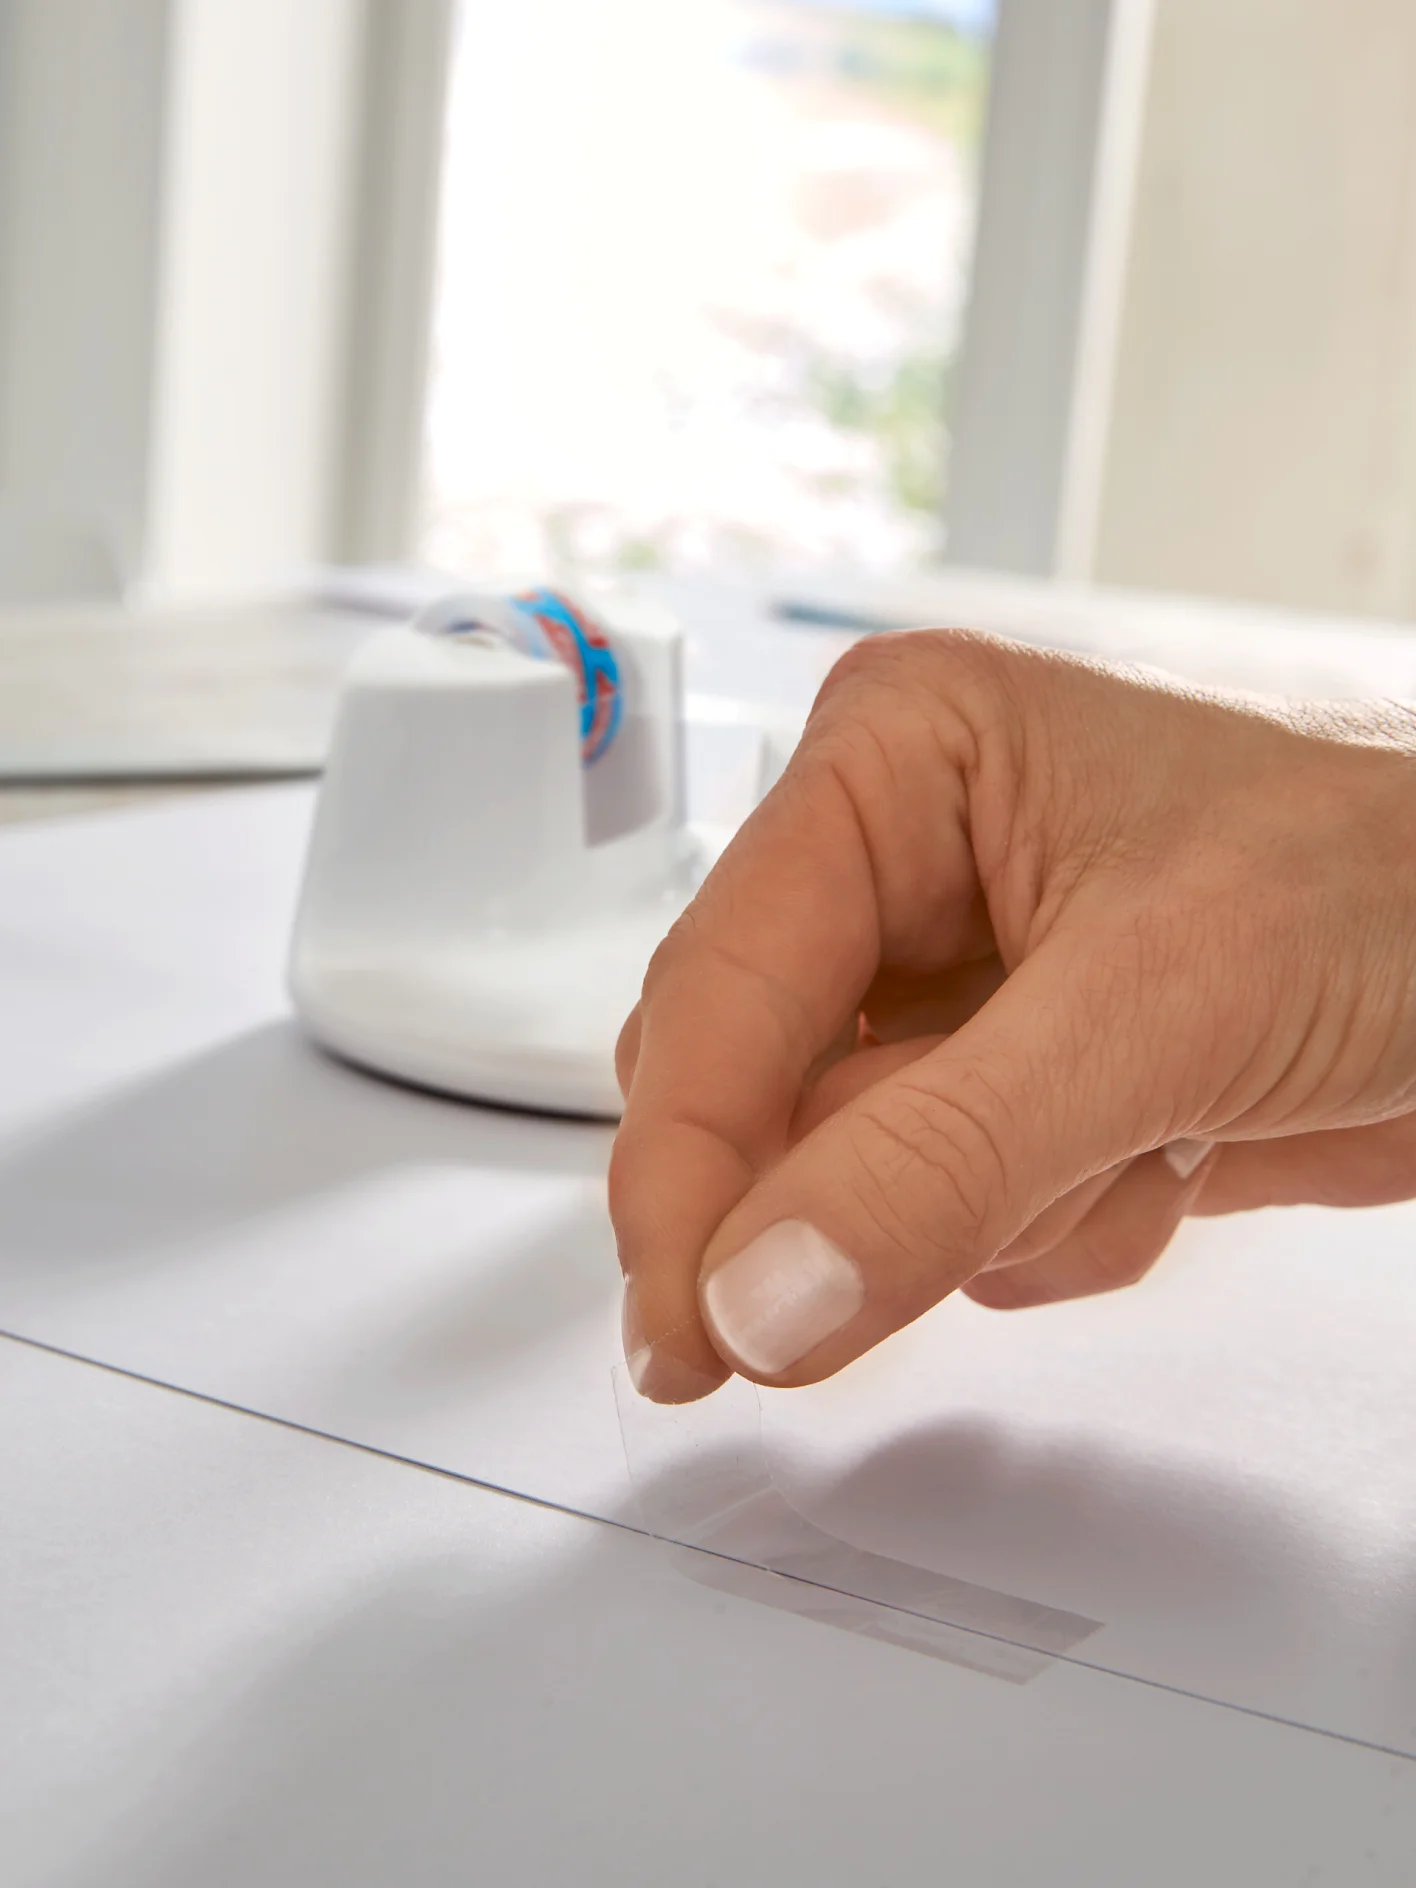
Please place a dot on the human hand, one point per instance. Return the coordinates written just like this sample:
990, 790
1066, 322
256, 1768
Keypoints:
976, 991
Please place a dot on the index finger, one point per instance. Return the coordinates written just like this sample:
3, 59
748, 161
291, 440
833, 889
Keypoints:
760, 974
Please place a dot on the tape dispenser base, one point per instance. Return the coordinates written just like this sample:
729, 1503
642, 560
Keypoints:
480, 900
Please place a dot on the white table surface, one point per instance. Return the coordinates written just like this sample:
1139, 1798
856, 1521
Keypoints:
235, 1652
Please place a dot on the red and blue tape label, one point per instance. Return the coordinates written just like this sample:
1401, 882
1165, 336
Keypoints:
582, 645
549, 625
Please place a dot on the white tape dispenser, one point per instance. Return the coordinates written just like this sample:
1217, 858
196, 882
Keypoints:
499, 844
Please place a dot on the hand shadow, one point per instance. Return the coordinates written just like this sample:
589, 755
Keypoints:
263, 1124
1203, 1580
426, 1723
1155, 1565
243, 1130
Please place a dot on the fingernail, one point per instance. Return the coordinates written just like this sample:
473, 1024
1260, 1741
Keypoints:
1184, 1156
637, 1354
781, 1296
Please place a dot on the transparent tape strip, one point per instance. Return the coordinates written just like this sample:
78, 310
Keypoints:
702, 1480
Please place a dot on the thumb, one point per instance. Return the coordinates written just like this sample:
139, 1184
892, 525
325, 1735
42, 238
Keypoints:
911, 1188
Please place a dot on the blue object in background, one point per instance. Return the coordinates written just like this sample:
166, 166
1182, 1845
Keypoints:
969, 16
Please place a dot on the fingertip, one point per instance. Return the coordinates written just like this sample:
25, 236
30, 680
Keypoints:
660, 1375
659, 1370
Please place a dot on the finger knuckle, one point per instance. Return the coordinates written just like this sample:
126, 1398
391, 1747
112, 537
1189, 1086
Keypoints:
932, 1174
864, 665
909, 651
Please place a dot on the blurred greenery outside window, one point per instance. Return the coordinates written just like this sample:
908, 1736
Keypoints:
702, 274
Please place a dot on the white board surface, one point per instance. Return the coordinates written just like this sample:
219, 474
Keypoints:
1217, 1466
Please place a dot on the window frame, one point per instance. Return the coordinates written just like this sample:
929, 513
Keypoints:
360, 123
1056, 193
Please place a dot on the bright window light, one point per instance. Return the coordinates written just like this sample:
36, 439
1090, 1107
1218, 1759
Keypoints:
703, 266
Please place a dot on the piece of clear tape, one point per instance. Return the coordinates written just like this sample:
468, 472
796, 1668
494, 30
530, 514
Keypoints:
702, 1481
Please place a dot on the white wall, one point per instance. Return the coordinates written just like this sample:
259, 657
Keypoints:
217, 232
1263, 432
252, 325
82, 90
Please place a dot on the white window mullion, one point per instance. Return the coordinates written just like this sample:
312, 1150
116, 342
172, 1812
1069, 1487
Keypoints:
393, 271
1054, 205
257, 215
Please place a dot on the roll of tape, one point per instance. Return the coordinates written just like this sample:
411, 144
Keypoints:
552, 627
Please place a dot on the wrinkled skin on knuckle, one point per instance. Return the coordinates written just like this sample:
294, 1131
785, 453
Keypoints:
943, 680
895, 759
1011, 729
931, 1176
1294, 998
912, 658
1127, 985
1358, 904
1013, 751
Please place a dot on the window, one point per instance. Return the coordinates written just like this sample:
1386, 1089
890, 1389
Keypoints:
703, 268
